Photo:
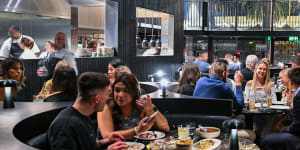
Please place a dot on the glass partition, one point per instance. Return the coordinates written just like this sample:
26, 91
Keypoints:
154, 33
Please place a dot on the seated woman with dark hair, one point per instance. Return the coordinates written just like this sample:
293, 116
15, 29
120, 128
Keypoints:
12, 69
125, 111
63, 85
190, 75
114, 64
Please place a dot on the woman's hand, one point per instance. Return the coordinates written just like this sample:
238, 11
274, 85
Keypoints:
144, 126
146, 104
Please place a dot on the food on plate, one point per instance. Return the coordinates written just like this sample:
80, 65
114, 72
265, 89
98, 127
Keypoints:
134, 146
212, 129
166, 144
184, 141
147, 135
205, 145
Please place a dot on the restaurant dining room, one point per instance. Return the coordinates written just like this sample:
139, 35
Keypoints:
149, 75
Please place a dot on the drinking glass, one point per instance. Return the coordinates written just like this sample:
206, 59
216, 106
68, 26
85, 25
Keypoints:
183, 132
269, 100
36, 98
225, 140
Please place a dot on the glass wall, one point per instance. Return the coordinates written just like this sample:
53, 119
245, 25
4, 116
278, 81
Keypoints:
155, 33
243, 15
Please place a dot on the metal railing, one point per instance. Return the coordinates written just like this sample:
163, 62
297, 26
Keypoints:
244, 15
193, 14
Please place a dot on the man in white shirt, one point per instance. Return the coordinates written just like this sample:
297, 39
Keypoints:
11, 46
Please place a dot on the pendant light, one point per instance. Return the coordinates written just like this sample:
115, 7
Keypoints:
145, 43
138, 38
152, 41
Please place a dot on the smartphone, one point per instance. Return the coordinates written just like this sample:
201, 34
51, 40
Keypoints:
149, 119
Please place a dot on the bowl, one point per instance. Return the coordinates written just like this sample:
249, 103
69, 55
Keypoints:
185, 144
212, 132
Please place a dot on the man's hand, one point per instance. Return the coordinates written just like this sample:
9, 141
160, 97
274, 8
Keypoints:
114, 137
118, 146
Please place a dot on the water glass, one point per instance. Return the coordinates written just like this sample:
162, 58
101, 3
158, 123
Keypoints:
225, 141
36, 98
183, 132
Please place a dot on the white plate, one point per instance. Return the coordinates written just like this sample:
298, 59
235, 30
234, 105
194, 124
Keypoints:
158, 134
280, 107
135, 146
215, 146
278, 103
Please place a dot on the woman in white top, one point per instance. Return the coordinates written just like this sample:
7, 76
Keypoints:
261, 86
27, 44
49, 47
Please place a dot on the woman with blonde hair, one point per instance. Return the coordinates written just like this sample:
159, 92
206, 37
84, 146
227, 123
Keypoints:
288, 93
190, 75
261, 86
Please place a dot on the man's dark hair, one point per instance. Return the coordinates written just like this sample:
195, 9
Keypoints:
116, 62
296, 60
201, 52
17, 29
294, 75
88, 82
221, 60
237, 56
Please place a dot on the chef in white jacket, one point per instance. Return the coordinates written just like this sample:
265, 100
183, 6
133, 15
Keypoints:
11, 46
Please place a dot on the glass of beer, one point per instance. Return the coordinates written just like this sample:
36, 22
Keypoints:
269, 100
251, 103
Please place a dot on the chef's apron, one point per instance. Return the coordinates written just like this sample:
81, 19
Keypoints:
15, 50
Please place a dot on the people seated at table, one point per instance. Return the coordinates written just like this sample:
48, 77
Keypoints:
287, 98
121, 70
267, 61
295, 61
63, 85
229, 81
72, 129
125, 111
236, 60
215, 86
289, 92
261, 87
47, 87
232, 66
187, 81
26, 44
12, 69
289, 138
247, 72
201, 61
115, 63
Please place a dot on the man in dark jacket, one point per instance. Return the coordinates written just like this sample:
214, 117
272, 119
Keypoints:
72, 129
289, 139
